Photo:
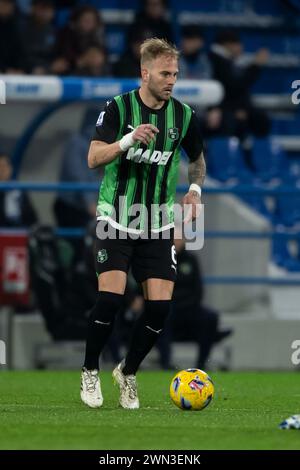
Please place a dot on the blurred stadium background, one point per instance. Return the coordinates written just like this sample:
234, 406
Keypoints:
251, 257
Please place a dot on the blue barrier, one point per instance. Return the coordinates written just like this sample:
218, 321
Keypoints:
58, 89
76, 232
236, 189
290, 235
48, 187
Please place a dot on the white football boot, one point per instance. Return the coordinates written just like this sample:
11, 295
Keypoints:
90, 390
128, 388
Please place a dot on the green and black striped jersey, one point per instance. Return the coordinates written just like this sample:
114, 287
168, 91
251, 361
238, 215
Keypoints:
140, 184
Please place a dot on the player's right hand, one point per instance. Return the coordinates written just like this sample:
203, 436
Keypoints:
145, 133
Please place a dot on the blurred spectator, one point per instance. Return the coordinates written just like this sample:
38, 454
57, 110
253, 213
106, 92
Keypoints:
85, 27
239, 117
66, 292
16, 209
190, 319
77, 209
92, 62
193, 62
62, 294
12, 57
152, 19
129, 64
24, 6
39, 35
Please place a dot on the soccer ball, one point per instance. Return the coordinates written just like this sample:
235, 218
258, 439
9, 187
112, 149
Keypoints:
192, 389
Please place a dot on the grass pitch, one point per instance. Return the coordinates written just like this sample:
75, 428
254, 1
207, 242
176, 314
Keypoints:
42, 410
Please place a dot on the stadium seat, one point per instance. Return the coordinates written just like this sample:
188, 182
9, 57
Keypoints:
287, 210
226, 160
273, 80
257, 202
268, 159
282, 255
287, 125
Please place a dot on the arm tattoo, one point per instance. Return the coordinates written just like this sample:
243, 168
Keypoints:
197, 171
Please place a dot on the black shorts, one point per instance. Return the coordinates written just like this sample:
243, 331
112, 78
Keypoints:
148, 258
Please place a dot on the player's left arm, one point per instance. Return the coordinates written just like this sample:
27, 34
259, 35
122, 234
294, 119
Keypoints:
197, 171
192, 199
193, 145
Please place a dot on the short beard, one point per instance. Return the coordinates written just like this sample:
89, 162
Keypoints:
156, 95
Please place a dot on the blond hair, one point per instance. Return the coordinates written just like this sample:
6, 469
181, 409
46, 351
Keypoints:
154, 47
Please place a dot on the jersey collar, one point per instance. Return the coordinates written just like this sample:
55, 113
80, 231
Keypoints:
151, 110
